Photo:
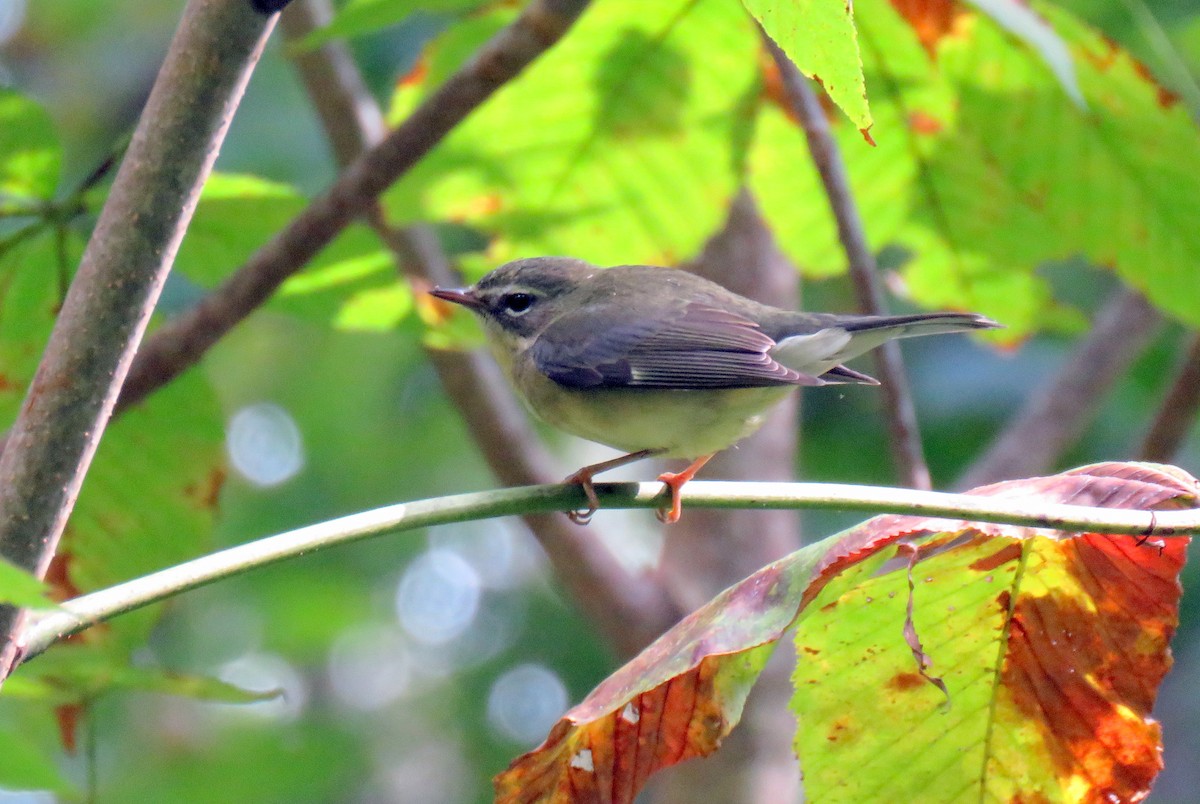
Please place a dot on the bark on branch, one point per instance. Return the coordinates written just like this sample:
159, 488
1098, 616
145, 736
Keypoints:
119, 279
181, 342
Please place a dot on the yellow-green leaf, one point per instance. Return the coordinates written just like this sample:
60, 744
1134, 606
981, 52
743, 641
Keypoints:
820, 38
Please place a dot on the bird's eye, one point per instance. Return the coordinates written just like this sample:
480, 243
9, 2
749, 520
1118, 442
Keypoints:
517, 303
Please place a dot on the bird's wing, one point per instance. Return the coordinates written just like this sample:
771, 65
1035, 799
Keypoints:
696, 347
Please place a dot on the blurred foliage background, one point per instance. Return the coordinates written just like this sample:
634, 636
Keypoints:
415, 667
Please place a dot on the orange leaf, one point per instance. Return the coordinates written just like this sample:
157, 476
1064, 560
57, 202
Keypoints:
1082, 657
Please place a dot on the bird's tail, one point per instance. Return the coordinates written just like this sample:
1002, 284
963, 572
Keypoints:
821, 354
906, 326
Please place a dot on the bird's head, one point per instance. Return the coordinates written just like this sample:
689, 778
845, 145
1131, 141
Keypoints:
518, 299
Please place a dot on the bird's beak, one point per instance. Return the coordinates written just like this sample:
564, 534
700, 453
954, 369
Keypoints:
464, 296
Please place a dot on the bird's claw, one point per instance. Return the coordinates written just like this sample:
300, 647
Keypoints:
583, 479
674, 482
581, 516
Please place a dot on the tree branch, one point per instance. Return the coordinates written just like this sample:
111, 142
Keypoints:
120, 276
181, 342
630, 612
1055, 415
901, 414
82, 612
1177, 413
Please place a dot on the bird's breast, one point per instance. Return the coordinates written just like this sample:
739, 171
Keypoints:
681, 423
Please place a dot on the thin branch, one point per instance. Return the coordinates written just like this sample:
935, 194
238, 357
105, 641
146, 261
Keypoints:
905, 440
120, 276
82, 612
630, 612
181, 342
1177, 413
1056, 414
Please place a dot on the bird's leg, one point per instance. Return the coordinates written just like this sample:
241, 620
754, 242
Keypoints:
674, 482
584, 478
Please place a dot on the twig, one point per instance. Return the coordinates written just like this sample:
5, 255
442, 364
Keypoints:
630, 612
182, 341
1056, 414
122, 271
905, 440
80, 613
1178, 410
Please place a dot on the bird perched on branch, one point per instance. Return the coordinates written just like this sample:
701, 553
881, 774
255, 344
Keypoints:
661, 362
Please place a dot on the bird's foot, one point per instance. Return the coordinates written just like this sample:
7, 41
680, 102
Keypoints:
674, 482
583, 479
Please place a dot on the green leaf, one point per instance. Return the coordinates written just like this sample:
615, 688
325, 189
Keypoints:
1120, 184
238, 214
184, 685
75, 673
24, 767
985, 170
820, 38
377, 309
20, 588
622, 144
29, 152
149, 498
151, 495
1051, 672
988, 594
1017, 18
29, 300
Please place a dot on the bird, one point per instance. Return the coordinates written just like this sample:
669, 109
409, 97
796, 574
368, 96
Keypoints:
660, 362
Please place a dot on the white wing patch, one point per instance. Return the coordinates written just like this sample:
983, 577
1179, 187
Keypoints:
812, 354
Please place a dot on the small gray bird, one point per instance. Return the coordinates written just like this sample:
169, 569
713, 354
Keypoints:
660, 362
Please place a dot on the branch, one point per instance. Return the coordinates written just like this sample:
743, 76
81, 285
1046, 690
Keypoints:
630, 612
182, 341
901, 414
1055, 416
1178, 411
82, 612
120, 276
